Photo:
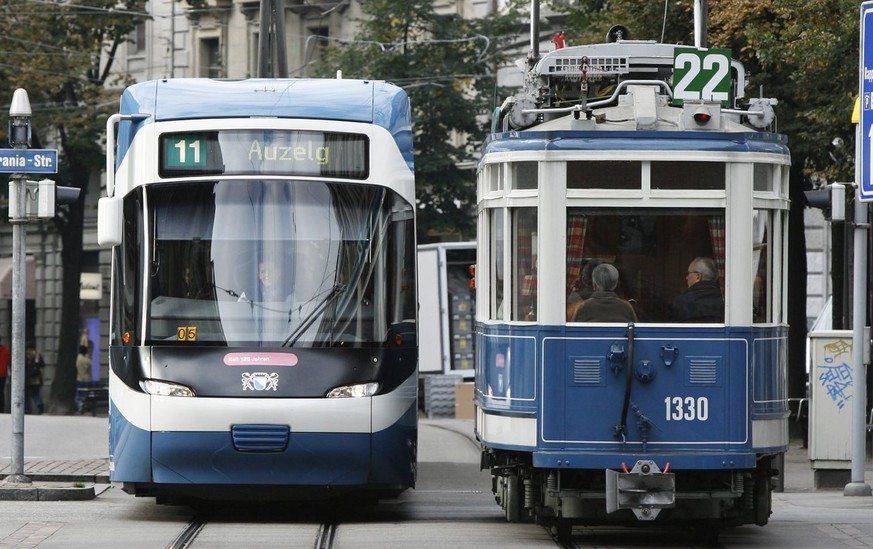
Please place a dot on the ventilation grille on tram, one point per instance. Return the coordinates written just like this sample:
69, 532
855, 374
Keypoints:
702, 371
260, 438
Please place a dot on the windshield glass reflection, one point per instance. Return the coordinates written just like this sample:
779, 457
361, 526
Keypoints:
278, 263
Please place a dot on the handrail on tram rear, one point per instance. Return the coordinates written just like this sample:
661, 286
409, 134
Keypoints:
111, 123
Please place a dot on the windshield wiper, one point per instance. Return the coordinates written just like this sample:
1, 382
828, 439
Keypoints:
332, 294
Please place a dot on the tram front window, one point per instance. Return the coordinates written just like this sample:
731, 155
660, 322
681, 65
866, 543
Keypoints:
653, 250
278, 263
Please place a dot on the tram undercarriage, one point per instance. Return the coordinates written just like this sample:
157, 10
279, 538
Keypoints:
702, 498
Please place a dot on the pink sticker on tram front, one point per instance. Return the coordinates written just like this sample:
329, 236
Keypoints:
260, 359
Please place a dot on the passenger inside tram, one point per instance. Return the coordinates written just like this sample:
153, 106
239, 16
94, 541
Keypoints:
702, 301
604, 305
581, 290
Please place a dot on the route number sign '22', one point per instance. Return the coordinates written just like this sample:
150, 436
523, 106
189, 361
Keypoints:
701, 75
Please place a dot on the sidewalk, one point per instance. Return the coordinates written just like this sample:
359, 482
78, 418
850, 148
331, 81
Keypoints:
64, 457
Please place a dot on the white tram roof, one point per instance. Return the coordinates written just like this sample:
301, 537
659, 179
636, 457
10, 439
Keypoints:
620, 98
366, 101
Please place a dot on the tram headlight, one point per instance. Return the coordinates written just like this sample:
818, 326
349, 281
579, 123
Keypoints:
165, 388
354, 391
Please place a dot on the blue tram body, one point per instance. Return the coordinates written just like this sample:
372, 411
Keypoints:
263, 330
608, 156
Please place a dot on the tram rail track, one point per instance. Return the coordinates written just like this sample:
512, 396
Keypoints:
325, 536
189, 533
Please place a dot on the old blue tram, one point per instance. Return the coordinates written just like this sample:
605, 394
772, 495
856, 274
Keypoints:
650, 159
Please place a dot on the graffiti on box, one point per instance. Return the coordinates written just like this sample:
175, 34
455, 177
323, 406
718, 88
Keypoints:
835, 375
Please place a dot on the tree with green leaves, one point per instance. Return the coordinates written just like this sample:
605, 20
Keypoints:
63, 55
447, 65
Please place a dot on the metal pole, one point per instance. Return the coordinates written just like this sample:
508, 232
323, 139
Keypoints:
281, 70
265, 49
172, 38
534, 30
19, 113
858, 487
701, 14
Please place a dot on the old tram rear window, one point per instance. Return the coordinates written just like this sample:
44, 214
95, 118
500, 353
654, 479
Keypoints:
604, 174
274, 152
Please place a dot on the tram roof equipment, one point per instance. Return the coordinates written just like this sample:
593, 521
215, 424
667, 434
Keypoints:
634, 76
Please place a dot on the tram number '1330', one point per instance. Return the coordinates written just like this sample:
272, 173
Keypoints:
687, 408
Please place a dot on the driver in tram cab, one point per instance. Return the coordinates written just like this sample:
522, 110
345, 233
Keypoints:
269, 277
604, 305
702, 301
269, 283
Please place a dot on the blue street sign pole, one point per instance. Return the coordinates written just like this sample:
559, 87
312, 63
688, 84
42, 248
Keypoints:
863, 138
865, 90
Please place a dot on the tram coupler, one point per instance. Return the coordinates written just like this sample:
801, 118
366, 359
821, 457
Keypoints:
645, 490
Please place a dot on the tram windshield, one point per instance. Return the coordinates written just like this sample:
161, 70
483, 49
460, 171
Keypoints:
659, 255
278, 263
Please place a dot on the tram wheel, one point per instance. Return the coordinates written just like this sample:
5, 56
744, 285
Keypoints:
513, 501
763, 500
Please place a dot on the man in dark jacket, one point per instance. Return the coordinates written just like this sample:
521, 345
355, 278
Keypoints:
604, 305
702, 301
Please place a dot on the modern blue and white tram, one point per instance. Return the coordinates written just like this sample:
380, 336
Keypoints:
650, 158
263, 323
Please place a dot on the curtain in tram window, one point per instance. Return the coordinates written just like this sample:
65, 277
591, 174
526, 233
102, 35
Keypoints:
717, 236
526, 226
576, 227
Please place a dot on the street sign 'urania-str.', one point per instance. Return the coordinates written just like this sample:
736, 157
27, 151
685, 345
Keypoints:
28, 161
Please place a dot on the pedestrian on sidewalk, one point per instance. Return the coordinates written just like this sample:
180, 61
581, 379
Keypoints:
83, 376
33, 364
5, 361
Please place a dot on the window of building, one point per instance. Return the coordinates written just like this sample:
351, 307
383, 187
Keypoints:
210, 58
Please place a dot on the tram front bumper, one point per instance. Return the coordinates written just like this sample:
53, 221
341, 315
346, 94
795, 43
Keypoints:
645, 490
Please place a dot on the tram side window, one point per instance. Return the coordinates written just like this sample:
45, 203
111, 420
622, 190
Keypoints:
524, 268
524, 175
761, 261
128, 283
763, 178
495, 173
495, 284
652, 250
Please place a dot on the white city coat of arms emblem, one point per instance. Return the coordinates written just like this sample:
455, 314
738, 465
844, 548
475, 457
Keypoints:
260, 381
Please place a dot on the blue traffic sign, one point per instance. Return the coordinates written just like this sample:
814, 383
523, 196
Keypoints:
28, 161
865, 90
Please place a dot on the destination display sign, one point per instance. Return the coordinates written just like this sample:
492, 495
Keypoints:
256, 152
